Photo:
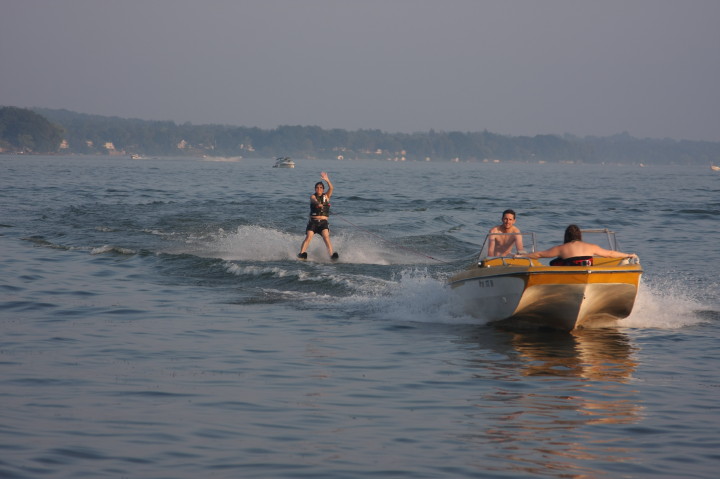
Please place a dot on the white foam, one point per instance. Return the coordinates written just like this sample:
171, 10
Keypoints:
666, 304
413, 295
111, 249
252, 270
247, 243
257, 243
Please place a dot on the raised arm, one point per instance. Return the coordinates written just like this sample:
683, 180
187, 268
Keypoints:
325, 177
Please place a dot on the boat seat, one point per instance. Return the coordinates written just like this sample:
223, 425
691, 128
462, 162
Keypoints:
574, 261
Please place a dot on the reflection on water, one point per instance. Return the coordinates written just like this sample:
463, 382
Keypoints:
603, 358
597, 354
568, 405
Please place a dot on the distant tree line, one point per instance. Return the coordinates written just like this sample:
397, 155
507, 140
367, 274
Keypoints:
25, 131
78, 133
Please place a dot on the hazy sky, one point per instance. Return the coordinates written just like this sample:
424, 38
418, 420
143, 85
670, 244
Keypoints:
648, 67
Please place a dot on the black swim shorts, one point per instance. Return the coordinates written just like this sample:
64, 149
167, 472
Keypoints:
316, 226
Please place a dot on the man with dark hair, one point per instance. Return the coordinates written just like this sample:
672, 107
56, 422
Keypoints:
503, 237
575, 252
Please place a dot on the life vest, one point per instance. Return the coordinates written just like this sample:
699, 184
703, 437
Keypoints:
321, 208
574, 261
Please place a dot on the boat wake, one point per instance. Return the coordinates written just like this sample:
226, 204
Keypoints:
257, 243
375, 280
412, 295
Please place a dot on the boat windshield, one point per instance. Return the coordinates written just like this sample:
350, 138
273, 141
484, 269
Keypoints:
508, 244
602, 237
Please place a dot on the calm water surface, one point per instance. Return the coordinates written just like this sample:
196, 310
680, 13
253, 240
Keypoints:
155, 323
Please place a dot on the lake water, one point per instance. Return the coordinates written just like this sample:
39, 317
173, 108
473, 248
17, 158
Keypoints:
156, 323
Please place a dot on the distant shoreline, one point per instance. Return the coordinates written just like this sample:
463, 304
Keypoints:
83, 134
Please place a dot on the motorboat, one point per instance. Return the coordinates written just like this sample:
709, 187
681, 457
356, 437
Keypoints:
715, 167
284, 163
519, 292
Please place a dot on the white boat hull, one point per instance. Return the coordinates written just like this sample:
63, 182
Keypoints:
284, 163
490, 298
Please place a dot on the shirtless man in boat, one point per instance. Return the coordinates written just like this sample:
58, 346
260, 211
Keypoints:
501, 244
575, 249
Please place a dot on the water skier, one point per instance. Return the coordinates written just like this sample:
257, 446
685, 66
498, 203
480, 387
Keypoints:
319, 212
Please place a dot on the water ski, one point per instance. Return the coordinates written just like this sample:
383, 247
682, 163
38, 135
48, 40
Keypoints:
304, 256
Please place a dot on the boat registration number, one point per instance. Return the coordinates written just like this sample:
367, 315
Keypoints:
486, 283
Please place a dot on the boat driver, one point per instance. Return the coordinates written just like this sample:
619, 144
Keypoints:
501, 238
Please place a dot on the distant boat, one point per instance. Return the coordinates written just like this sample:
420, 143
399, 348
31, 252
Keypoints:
715, 168
135, 156
284, 163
